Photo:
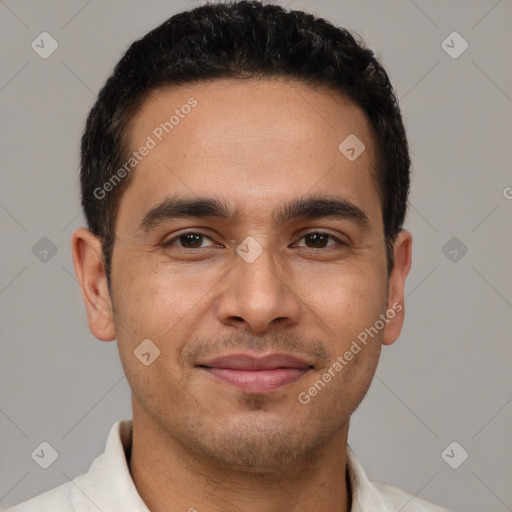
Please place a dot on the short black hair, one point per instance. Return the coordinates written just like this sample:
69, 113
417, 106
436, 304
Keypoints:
241, 39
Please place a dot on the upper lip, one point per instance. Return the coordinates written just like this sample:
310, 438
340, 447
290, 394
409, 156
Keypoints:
250, 362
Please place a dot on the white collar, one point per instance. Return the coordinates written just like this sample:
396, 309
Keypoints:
108, 485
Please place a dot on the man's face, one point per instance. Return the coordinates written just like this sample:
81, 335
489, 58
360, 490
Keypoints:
255, 146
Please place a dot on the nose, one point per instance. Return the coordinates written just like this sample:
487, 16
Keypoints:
258, 295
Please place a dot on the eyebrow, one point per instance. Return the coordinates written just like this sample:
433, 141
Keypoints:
312, 207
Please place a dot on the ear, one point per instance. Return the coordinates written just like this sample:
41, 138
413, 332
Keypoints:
88, 262
396, 304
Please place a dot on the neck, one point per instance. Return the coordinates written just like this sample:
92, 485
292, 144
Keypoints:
172, 478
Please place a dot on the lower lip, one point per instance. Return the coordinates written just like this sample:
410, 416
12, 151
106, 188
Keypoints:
257, 381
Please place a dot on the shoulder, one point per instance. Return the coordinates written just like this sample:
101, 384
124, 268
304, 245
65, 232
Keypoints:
398, 499
371, 495
55, 499
106, 486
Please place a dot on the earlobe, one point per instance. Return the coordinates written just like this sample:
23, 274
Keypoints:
90, 271
396, 292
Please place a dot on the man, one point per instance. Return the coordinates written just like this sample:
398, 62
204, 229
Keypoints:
244, 175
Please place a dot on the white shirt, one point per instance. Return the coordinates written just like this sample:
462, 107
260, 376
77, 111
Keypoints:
108, 486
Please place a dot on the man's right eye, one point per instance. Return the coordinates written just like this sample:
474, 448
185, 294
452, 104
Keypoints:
187, 240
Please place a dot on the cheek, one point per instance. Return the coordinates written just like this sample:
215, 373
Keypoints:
158, 300
347, 299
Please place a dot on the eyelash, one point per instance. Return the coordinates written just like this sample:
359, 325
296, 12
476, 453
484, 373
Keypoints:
168, 243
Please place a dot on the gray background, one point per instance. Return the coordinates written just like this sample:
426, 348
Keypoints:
447, 379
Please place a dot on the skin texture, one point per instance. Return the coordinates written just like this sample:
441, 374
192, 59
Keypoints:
198, 441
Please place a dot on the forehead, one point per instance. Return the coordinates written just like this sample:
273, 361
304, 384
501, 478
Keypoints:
249, 141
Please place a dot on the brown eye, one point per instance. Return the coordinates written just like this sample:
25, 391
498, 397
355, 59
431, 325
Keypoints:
189, 240
318, 240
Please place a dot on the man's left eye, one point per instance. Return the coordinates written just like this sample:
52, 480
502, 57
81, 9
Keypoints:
319, 240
